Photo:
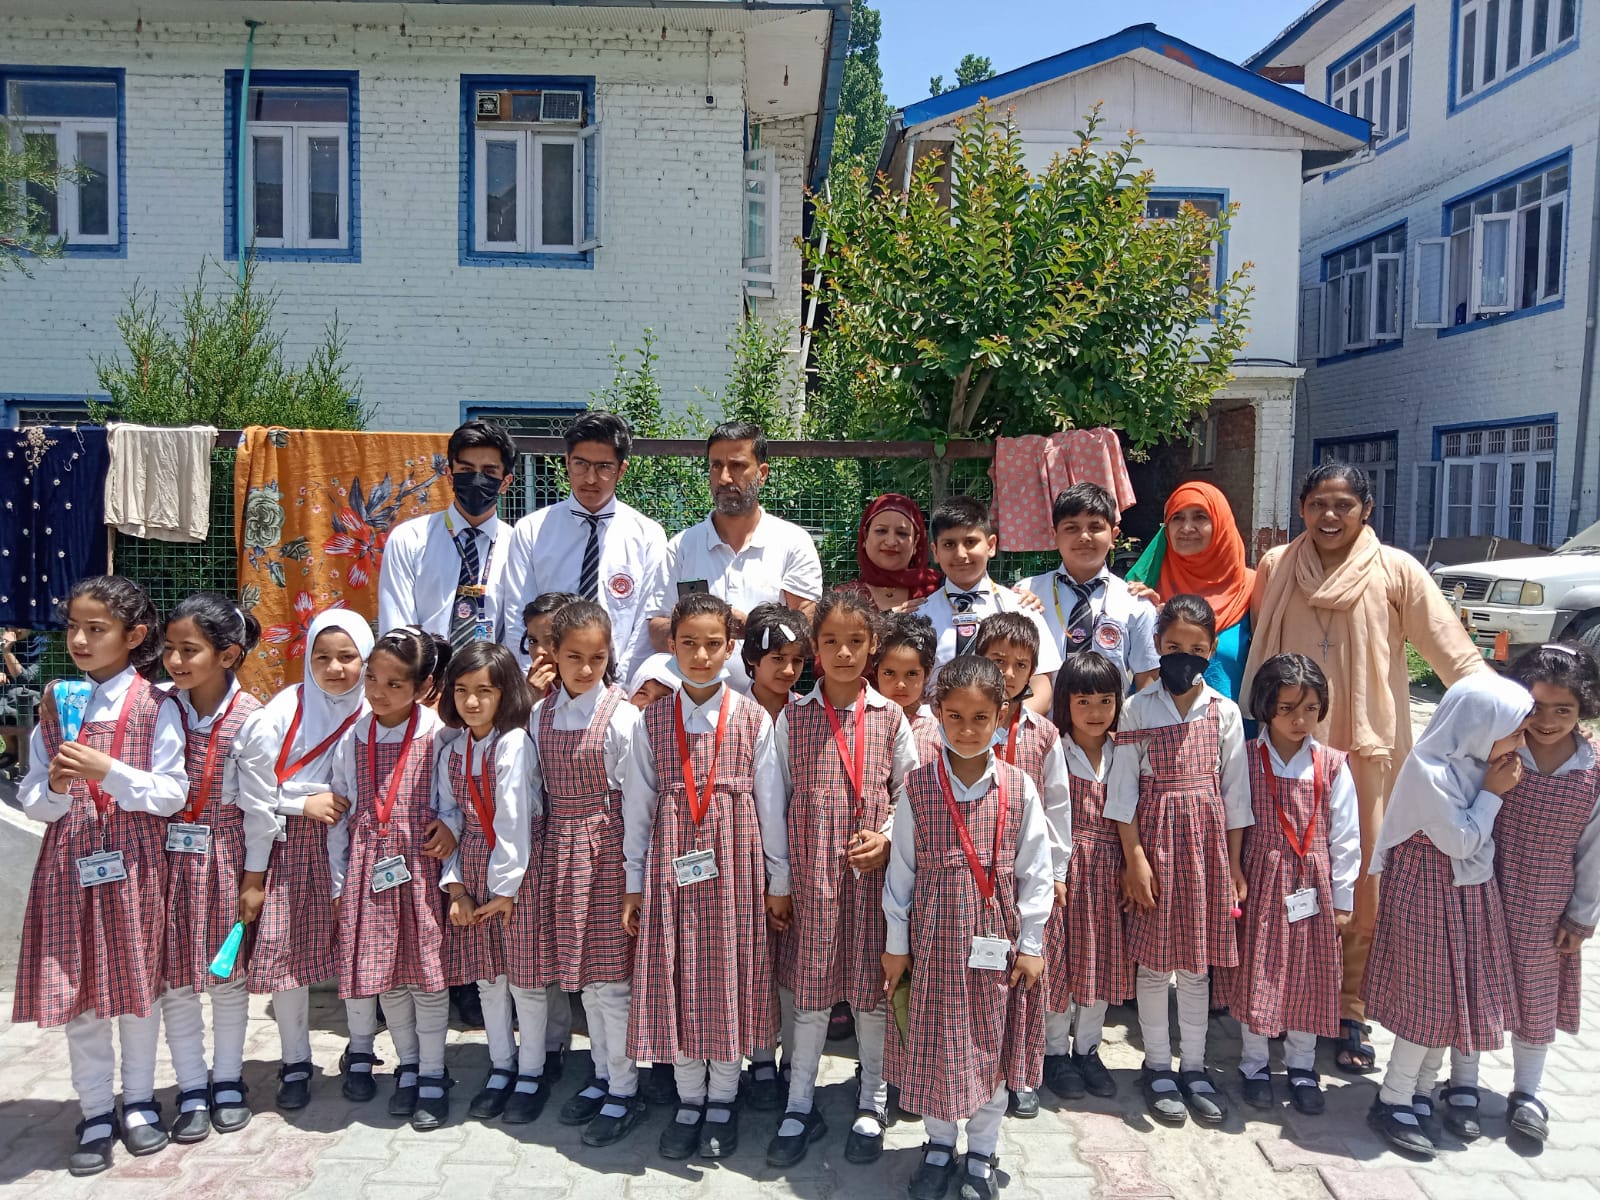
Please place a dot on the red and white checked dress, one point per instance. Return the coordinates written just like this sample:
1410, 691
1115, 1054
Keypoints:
1535, 853
1288, 975
493, 948
702, 979
1027, 744
969, 1029
925, 733
833, 948
581, 881
1183, 827
393, 938
1439, 972
296, 936
203, 889
1093, 941
97, 949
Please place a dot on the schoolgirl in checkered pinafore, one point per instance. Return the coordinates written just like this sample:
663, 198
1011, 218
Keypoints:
906, 649
91, 955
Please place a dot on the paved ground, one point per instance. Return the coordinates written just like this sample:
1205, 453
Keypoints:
1099, 1148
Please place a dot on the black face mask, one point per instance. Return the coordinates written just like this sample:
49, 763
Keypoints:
476, 493
1179, 671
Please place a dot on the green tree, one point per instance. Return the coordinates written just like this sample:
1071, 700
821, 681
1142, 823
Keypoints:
863, 108
223, 365
1026, 303
29, 177
973, 68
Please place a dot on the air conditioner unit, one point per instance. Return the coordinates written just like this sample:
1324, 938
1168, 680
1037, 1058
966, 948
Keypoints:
561, 106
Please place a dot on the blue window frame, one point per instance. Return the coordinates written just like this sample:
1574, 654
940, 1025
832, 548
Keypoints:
1374, 82
530, 190
1163, 204
1363, 295
1493, 43
21, 409
78, 116
302, 168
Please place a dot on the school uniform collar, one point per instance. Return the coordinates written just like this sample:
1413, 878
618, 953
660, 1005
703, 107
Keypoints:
370, 726
1581, 759
608, 509
583, 705
1164, 698
1300, 760
113, 689
962, 793
757, 540
984, 587
1078, 761
1029, 717
713, 702
193, 720
489, 529
815, 696
1099, 580
485, 749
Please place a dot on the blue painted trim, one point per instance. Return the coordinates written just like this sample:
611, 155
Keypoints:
1376, 348
1354, 242
1301, 26
490, 408
1137, 37
1346, 439
466, 217
1453, 106
1494, 185
1503, 318
10, 402
1504, 423
231, 101
832, 85
114, 75
1209, 193
1391, 27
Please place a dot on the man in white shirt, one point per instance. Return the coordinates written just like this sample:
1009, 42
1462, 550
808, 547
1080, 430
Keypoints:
442, 571
590, 544
740, 552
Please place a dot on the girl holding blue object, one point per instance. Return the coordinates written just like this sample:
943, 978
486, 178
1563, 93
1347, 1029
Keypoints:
107, 770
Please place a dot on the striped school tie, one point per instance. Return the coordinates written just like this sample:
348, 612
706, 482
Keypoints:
589, 577
464, 629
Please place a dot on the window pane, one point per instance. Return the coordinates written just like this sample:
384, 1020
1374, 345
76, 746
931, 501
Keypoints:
1460, 276
1458, 504
1517, 497
49, 219
1469, 50
1402, 107
500, 191
1488, 488
1520, 437
1528, 293
1544, 437
1540, 40
323, 187
94, 187
268, 175
755, 228
1555, 180
1497, 441
1366, 101
1491, 35
1496, 288
1357, 320
1513, 34
61, 98
1555, 221
1385, 99
1452, 445
557, 226
1541, 502
1569, 20
1460, 218
1338, 79
300, 104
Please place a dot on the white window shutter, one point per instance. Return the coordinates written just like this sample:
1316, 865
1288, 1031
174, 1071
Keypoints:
1428, 305
1493, 244
1388, 273
1358, 308
1310, 323
759, 235
593, 191
1332, 338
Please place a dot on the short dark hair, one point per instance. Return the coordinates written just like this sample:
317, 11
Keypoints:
1563, 665
220, 621
424, 655
1084, 673
970, 671
469, 435
516, 698
1008, 627
1085, 499
545, 604
740, 431
1191, 610
1337, 472
130, 604
598, 425
701, 604
961, 512
1286, 671
778, 626
914, 632
586, 614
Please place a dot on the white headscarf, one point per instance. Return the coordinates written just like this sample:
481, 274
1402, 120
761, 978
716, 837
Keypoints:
324, 712
1443, 776
658, 668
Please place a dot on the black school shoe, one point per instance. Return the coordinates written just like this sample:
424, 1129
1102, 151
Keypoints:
1062, 1077
490, 1101
294, 1086
404, 1101
1423, 1108
1095, 1076
432, 1111
766, 1087
356, 1067
93, 1156
719, 1139
974, 1186
585, 1106
862, 1148
1526, 1115
145, 1139
1388, 1122
1164, 1104
1205, 1099
786, 1151
1461, 1119
658, 1086
607, 1130
679, 1140
930, 1181
1256, 1089
523, 1108
1305, 1092
229, 1111
1022, 1104
194, 1125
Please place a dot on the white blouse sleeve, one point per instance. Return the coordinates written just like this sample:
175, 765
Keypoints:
1057, 801
516, 807
900, 881
772, 810
1344, 839
1033, 873
164, 789
1235, 768
639, 799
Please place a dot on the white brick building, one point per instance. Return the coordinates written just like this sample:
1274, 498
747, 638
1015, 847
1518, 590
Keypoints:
1214, 134
1448, 277
489, 195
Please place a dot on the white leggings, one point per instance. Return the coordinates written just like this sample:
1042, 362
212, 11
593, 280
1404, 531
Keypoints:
186, 1033
1077, 1031
803, 1054
607, 1005
700, 1081
418, 1022
1527, 1067
1194, 1013
531, 1005
1413, 1070
1299, 1051
983, 1126
292, 1011
91, 1051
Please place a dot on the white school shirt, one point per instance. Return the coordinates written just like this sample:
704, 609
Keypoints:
902, 757
160, 791
1055, 793
1584, 907
343, 783
990, 599
1124, 628
779, 557
1032, 871
1154, 708
260, 819
1344, 824
422, 569
640, 794
573, 713
517, 804
260, 740
545, 554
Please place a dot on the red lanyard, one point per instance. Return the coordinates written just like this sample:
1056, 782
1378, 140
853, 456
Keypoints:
386, 805
698, 801
1299, 843
984, 880
102, 800
209, 772
482, 796
1011, 738
855, 771
285, 769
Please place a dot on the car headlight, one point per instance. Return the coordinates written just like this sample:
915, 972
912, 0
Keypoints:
1517, 592
1532, 594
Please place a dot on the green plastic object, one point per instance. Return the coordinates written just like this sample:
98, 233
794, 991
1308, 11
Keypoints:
222, 965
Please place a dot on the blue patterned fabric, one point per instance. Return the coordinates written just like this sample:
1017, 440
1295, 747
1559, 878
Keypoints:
52, 511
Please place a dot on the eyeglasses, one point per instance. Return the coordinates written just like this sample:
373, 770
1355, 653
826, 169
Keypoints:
600, 470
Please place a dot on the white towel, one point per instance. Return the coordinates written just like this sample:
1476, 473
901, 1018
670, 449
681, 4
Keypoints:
159, 482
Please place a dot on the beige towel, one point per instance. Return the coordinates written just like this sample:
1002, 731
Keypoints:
159, 482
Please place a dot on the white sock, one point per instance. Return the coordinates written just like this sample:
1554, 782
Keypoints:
868, 1126
1527, 1066
134, 1118
688, 1116
529, 1086
99, 1128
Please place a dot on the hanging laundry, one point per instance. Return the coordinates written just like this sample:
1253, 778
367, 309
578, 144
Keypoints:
52, 502
312, 511
159, 484
1030, 472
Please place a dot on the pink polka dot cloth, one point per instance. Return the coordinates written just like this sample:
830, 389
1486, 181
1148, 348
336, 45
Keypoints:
1029, 472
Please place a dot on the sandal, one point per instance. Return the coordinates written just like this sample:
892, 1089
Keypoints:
1528, 1116
1356, 1055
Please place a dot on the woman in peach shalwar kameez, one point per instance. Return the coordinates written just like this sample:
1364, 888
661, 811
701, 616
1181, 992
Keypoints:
1339, 596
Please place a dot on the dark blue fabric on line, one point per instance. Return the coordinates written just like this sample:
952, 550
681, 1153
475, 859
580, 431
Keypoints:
52, 513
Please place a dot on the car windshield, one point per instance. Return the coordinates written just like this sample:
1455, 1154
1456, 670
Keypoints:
1587, 542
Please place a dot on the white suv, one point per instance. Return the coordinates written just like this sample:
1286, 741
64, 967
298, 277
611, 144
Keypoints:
1510, 604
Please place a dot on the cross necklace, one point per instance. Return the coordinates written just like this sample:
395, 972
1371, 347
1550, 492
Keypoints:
1326, 644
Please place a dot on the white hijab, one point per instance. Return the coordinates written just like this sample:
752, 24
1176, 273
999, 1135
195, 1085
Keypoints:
324, 712
1443, 775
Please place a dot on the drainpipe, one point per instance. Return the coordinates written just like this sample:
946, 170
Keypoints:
239, 206
1586, 378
